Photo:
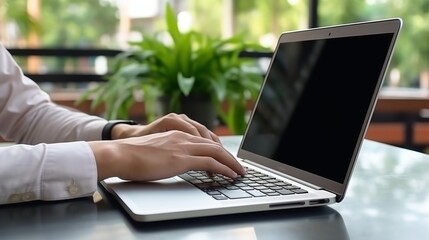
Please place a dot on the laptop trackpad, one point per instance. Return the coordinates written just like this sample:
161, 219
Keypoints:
167, 195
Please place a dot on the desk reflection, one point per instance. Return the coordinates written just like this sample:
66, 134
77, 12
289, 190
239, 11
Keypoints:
40, 220
82, 219
388, 196
315, 223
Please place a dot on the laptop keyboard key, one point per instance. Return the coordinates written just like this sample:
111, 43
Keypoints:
212, 192
257, 193
219, 197
285, 192
273, 194
235, 194
299, 191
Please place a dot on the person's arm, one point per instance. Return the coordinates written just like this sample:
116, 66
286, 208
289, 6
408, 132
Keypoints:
43, 171
169, 146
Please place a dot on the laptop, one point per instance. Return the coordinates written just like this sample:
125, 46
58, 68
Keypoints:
303, 136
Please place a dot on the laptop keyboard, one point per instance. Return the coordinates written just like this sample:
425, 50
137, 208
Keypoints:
253, 184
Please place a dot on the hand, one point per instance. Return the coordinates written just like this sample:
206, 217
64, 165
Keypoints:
166, 123
162, 155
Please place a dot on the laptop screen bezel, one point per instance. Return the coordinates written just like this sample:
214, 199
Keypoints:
345, 30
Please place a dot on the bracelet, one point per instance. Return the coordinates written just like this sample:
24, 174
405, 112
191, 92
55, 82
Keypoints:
106, 134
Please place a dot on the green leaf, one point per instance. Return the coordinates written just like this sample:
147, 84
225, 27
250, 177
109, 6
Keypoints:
220, 87
171, 21
150, 96
184, 58
236, 118
185, 83
87, 94
120, 103
133, 70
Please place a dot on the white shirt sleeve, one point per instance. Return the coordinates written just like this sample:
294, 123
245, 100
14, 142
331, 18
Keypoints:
51, 161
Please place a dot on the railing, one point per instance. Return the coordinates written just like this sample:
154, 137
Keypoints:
61, 77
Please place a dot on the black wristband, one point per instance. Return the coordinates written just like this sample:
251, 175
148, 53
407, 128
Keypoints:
106, 134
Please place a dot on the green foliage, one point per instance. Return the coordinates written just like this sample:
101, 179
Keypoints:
63, 22
16, 11
254, 18
77, 23
190, 63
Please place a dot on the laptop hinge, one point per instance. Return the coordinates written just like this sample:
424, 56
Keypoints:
284, 175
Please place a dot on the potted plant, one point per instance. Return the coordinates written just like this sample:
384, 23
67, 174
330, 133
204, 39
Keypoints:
190, 68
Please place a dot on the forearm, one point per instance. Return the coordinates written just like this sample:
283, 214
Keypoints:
52, 123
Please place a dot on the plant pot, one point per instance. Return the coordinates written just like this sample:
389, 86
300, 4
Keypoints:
197, 107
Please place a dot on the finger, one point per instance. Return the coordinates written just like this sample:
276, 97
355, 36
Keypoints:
210, 174
202, 130
210, 165
175, 122
185, 124
217, 152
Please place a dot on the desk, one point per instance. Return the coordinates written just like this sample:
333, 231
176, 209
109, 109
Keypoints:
388, 198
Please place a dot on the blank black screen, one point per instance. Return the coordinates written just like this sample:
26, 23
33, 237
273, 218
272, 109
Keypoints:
314, 102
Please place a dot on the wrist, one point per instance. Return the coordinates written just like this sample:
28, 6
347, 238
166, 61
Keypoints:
114, 129
105, 158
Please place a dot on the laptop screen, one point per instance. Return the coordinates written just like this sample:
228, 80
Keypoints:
314, 102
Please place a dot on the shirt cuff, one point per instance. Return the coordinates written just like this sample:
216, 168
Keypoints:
70, 171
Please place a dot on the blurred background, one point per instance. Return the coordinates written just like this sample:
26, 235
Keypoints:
112, 23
